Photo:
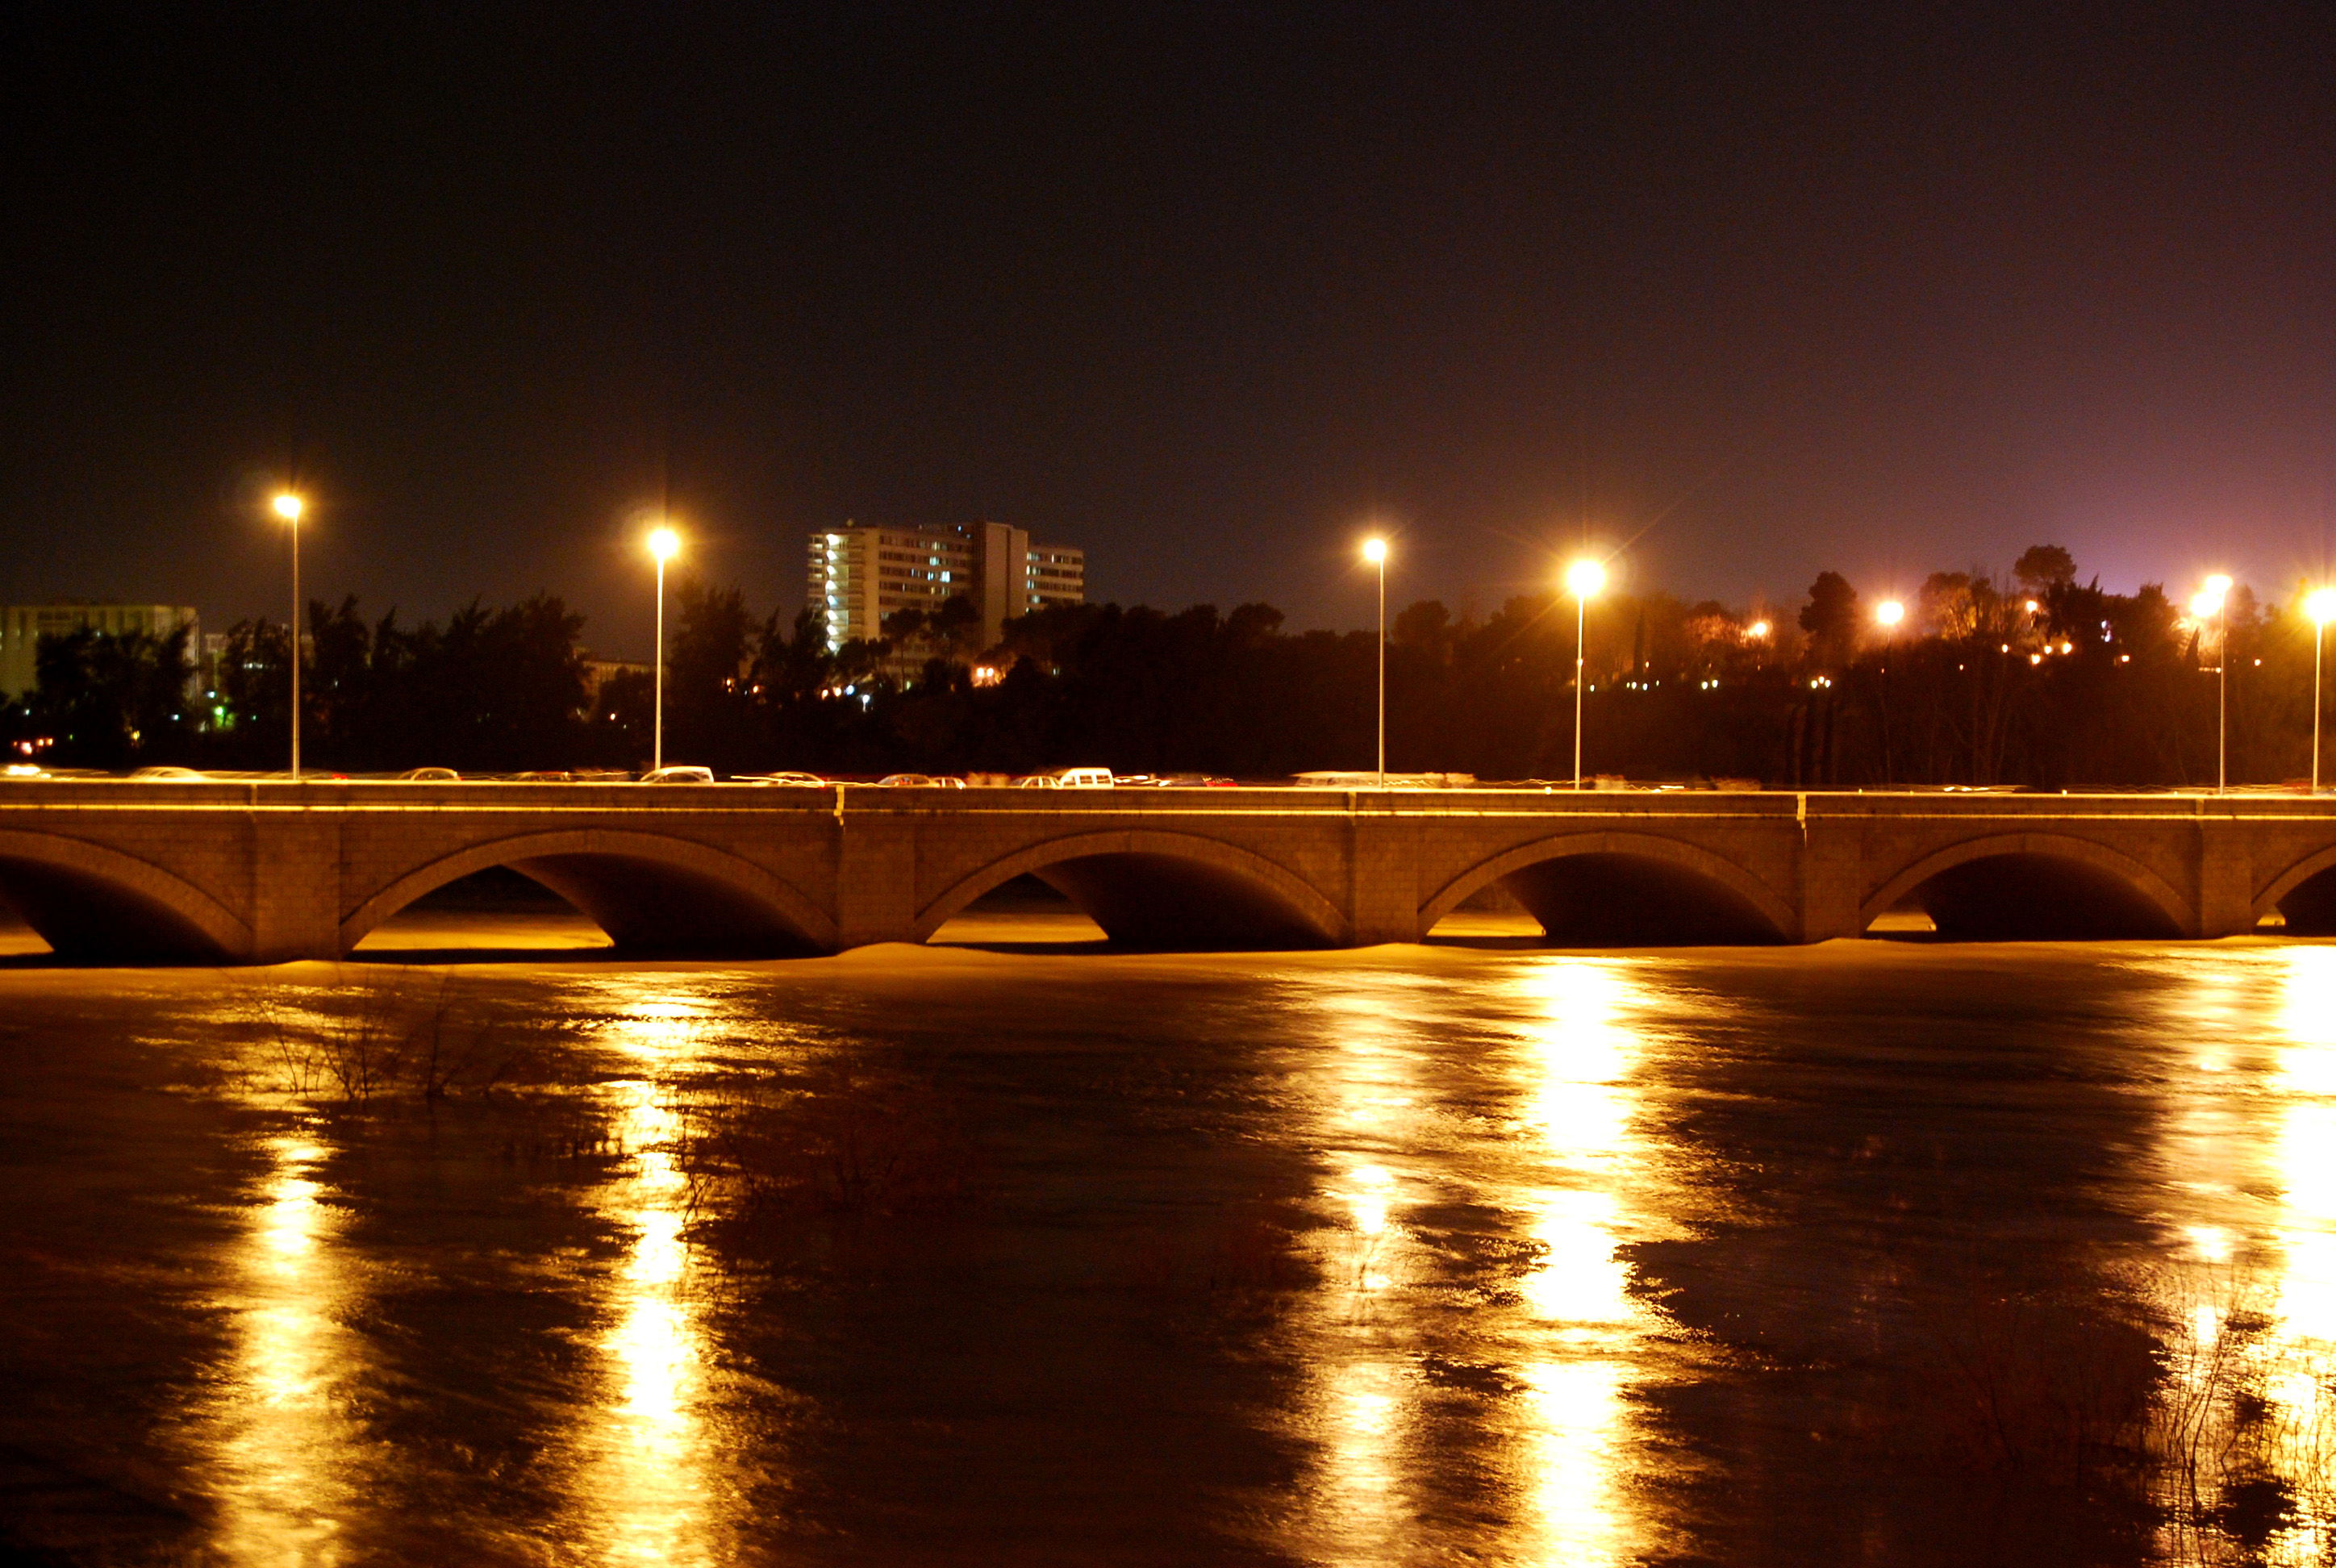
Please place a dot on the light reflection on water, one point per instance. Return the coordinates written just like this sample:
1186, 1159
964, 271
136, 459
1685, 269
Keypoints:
1501, 1162
647, 1494
2250, 1156
1582, 1052
282, 1428
1555, 1166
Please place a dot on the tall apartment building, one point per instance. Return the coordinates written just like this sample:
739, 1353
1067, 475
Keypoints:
858, 575
22, 626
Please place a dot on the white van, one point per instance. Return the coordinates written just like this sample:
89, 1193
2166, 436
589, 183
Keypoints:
1083, 778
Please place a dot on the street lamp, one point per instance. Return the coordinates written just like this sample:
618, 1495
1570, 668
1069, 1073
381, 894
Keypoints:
288, 506
1583, 578
663, 543
2319, 604
2215, 600
1889, 612
1374, 551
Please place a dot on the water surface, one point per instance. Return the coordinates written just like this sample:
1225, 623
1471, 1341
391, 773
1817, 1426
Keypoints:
1878, 1252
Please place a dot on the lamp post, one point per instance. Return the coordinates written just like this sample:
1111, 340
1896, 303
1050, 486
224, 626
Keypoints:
2321, 606
2215, 600
1583, 579
663, 543
1374, 551
288, 506
1889, 612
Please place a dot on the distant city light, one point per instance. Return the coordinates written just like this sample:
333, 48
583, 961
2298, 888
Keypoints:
2033, 606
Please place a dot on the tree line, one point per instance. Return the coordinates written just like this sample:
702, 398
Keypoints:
2037, 678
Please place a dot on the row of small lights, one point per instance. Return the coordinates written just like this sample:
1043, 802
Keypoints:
1586, 578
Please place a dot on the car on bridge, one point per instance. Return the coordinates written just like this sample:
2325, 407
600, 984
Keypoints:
809, 781
429, 776
168, 775
1084, 778
680, 775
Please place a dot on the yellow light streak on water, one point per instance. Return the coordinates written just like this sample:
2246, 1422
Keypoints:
1563, 1165
285, 1440
649, 1492
1582, 1047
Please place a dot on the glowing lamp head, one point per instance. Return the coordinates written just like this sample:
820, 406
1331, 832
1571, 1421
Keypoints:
2319, 604
1374, 551
287, 506
663, 542
2218, 585
1584, 578
1890, 612
2033, 606
1757, 630
2206, 603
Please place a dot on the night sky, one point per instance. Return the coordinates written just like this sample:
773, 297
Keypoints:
1757, 290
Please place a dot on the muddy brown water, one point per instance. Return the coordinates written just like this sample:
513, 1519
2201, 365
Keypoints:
1012, 1248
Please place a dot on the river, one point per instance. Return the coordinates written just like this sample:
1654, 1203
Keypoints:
1016, 1250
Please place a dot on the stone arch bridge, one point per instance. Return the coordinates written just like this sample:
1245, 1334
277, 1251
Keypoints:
222, 872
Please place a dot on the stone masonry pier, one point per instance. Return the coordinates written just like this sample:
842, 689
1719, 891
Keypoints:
254, 872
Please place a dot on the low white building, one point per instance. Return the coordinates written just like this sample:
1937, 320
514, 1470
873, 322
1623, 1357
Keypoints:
22, 626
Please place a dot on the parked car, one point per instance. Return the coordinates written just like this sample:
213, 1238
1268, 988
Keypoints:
1044, 781
679, 775
809, 781
168, 775
1084, 778
430, 775
904, 781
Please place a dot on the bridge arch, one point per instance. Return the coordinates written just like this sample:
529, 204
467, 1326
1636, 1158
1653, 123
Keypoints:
2305, 894
88, 901
651, 893
1161, 890
1626, 889
2026, 887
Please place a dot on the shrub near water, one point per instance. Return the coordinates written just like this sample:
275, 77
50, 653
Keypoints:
841, 1157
